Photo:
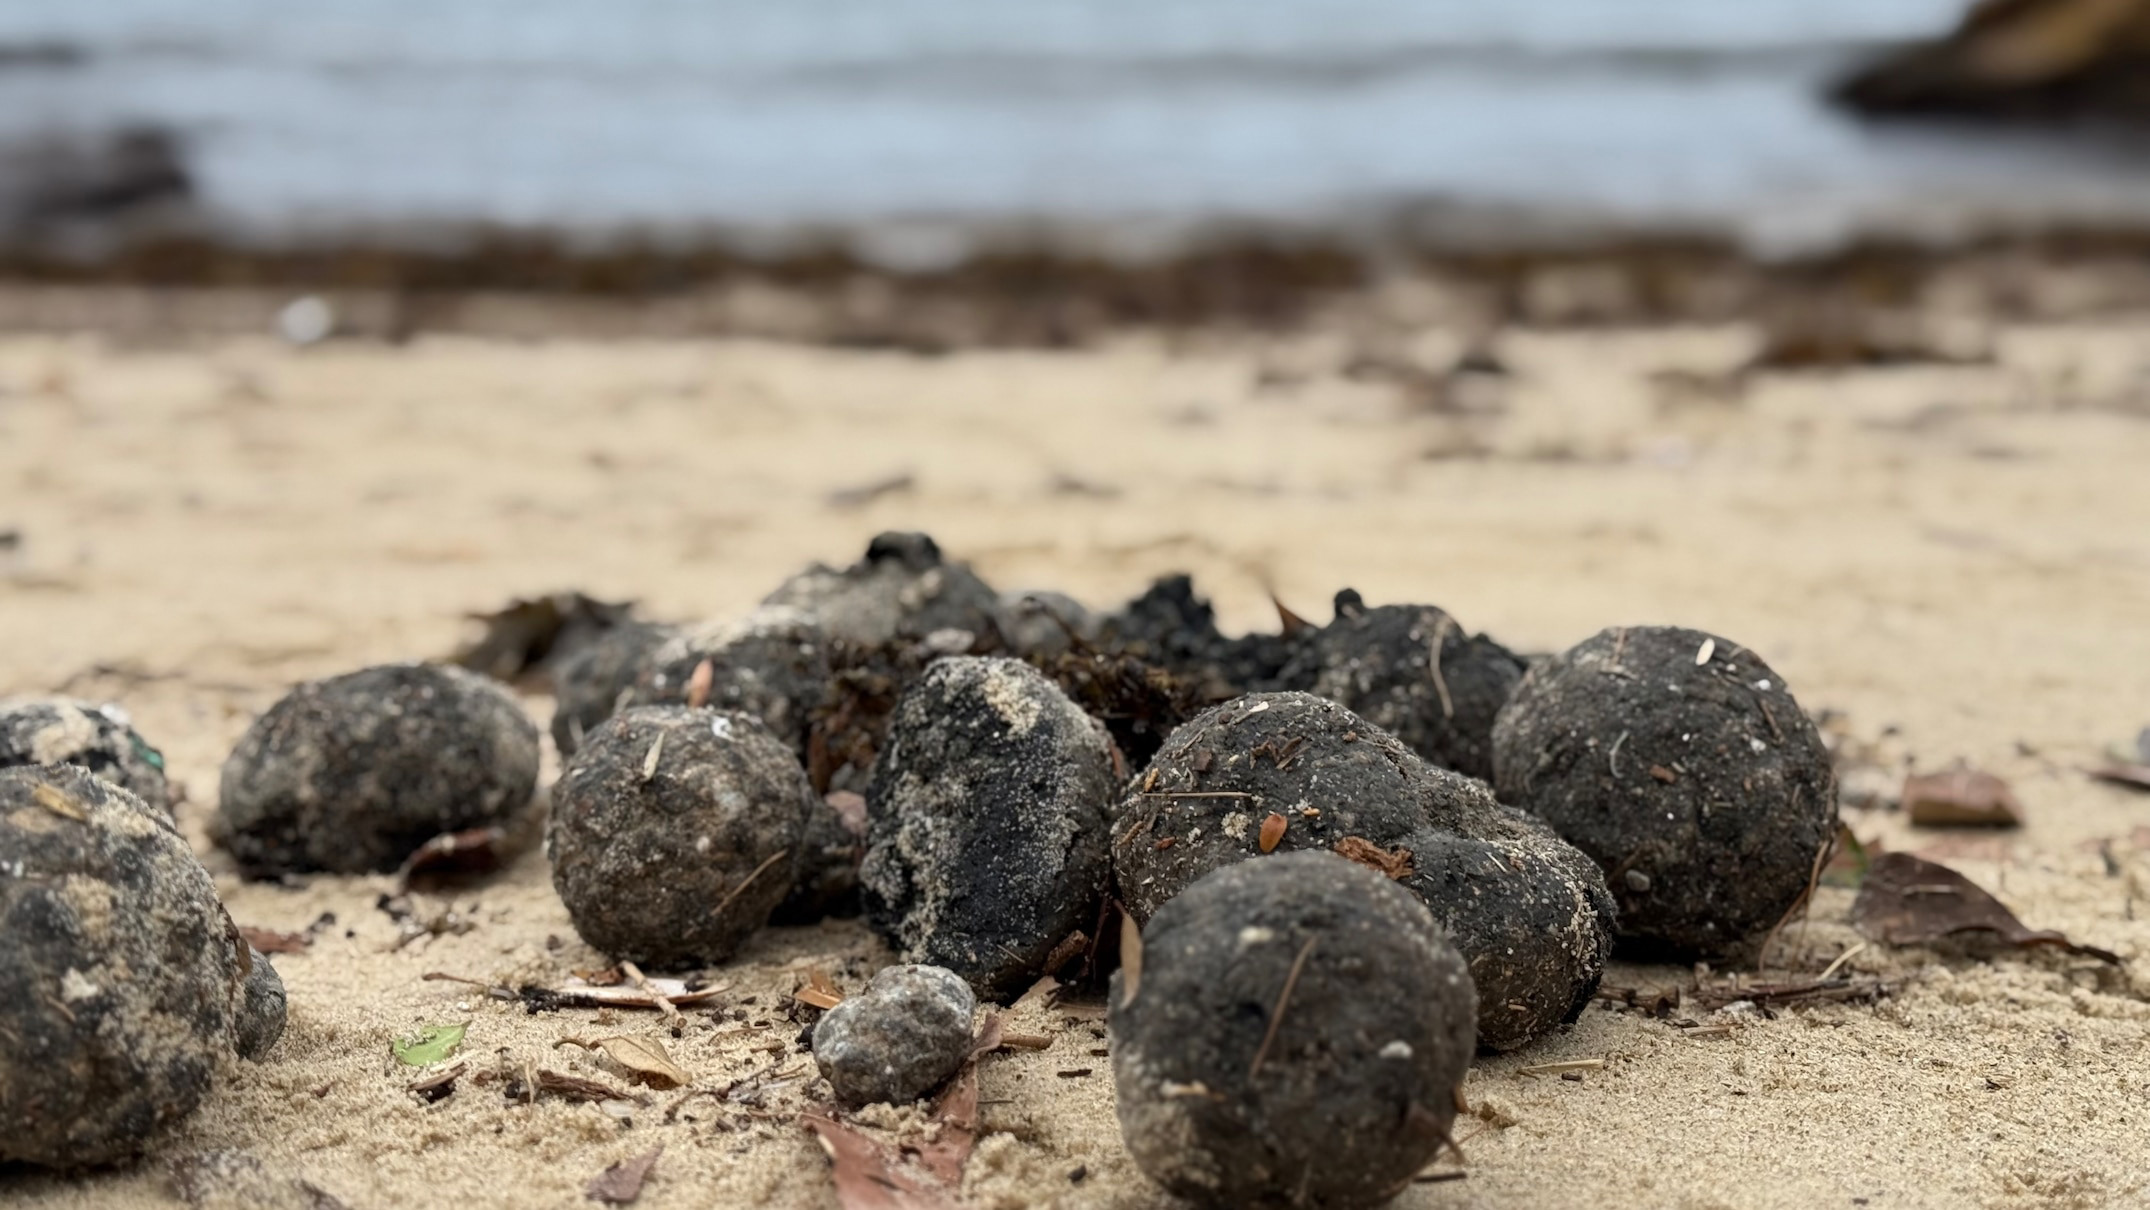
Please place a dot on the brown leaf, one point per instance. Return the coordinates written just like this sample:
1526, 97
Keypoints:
438, 1086
269, 941
1907, 900
622, 1182
1395, 863
866, 1176
1273, 831
1290, 622
820, 990
454, 854
1961, 798
645, 1058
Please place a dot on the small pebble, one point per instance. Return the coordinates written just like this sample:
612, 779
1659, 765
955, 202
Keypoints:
1704, 795
1296, 1037
120, 974
675, 832
987, 840
63, 731
353, 773
899, 1039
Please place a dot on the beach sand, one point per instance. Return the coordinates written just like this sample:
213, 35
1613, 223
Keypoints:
1956, 559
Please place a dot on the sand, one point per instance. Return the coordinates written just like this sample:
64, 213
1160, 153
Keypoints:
1957, 559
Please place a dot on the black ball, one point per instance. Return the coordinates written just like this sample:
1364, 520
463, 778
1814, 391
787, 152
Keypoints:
1294, 1036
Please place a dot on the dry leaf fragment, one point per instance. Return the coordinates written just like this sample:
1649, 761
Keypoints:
1273, 831
622, 1182
576, 993
572, 1088
438, 1086
866, 1176
533, 634
1961, 797
1130, 959
699, 684
1907, 900
645, 1058
820, 990
1394, 863
269, 941
57, 801
455, 854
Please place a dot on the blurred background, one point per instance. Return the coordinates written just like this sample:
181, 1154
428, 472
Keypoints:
911, 135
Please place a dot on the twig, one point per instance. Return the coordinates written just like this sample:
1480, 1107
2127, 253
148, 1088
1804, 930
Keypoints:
1440, 683
1276, 1015
1841, 959
1554, 1069
1198, 794
747, 881
664, 1003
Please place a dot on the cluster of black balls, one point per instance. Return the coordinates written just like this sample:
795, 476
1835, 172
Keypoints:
1358, 851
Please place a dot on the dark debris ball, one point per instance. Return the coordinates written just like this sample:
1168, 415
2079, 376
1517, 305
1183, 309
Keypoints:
353, 773
1680, 762
903, 588
1278, 772
594, 682
986, 822
675, 832
1296, 1037
121, 980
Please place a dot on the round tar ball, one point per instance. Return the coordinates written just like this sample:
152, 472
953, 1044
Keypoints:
1680, 763
121, 976
353, 773
675, 832
1294, 1036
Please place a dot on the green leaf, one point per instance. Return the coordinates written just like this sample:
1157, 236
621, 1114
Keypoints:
149, 754
431, 1044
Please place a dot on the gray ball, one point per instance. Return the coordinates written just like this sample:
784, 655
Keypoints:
902, 588
597, 680
1680, 762
63, 731
986, 822
352, 774
675, 833
899, 1039
121, 976
1296, 1037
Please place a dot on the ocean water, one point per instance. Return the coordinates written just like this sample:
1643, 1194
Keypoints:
1060, 114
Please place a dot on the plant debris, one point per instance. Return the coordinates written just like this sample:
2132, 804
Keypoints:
453, 855
1394, 863
527, 1085
1907, 901
269, 941
1273, 830
866, 1175
439, 1086
1961, 798
647, 1060
2135, 775
580, 993
622, 1182
431, 1044
535, 634
1771, 995
820, 991
866, 493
